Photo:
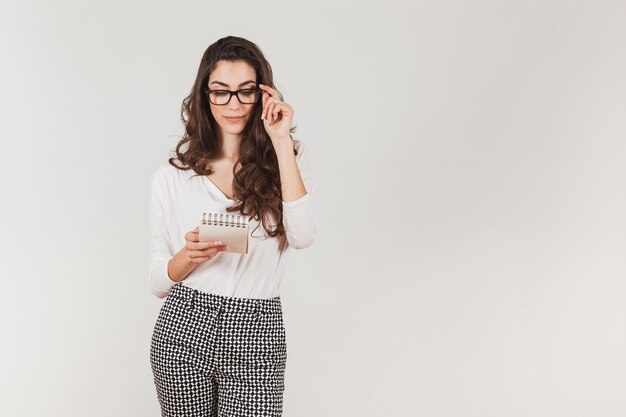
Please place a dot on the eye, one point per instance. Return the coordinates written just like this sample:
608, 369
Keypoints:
220, 93
248, 92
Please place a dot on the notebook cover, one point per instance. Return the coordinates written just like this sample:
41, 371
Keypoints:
235, 237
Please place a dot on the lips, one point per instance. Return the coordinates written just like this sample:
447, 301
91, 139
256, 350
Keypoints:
233, 119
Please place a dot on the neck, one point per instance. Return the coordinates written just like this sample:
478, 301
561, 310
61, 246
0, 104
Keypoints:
228, 143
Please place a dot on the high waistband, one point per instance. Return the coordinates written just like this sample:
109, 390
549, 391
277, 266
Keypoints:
195, 297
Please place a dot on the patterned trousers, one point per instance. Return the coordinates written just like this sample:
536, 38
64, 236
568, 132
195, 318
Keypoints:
218, 356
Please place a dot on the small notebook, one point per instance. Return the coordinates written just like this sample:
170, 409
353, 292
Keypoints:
230, 229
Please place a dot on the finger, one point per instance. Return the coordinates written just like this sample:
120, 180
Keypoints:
271, 91
270, 111
266, 108
212, 251
263, 105
203, 245
207, 253
192, 236
198, 258
276, 110
283, 110
266, 100
267, 111
191, 244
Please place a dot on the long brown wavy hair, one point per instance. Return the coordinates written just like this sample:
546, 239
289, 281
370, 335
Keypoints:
256, 186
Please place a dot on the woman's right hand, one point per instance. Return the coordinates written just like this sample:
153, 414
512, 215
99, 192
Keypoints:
199, 252
191, 255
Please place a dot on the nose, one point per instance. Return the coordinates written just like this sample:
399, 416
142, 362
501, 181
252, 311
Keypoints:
234, 103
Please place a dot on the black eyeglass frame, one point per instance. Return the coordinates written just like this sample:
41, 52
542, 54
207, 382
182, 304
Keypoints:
208, 91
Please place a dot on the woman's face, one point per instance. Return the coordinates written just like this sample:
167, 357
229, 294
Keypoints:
232, 75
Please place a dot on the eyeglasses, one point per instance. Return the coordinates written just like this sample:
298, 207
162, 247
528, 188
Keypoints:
222, 97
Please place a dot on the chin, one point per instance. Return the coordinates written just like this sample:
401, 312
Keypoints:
234, 131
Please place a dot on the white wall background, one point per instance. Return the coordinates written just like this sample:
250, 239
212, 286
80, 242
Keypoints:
470, 158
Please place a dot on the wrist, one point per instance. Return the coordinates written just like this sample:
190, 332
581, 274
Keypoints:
180, 265
283, 145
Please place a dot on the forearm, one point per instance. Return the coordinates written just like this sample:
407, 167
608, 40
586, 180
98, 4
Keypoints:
291, 181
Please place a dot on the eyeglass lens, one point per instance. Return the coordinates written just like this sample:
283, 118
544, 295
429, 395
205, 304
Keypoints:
247, 96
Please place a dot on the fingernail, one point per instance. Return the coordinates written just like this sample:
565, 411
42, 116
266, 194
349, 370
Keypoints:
219, 242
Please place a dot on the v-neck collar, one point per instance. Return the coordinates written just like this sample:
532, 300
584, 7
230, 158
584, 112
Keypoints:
211, 184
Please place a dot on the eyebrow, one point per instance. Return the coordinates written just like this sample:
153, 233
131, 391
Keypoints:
226, 85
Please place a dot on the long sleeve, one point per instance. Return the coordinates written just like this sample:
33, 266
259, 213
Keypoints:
300, 216
160, 251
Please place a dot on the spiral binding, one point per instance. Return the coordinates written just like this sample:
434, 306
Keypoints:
228, 220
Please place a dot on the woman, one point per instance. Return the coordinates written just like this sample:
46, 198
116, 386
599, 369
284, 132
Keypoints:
219, 342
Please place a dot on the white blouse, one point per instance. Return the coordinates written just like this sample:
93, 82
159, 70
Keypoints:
177, 201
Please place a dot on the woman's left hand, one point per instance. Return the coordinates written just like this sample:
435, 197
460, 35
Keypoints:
276, 114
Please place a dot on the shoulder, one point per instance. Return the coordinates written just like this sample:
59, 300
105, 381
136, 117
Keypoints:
166, 174
302, 149
161, 170
298, 145
161, 173
302, 158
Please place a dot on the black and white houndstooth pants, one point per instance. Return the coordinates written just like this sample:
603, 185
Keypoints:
218, 356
